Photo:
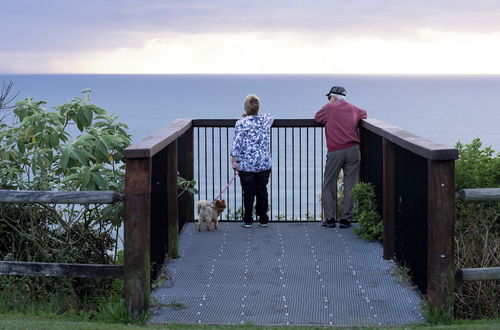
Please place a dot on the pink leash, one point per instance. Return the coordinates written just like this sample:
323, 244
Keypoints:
226, 187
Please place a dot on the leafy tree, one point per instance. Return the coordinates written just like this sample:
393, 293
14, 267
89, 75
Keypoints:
39, 153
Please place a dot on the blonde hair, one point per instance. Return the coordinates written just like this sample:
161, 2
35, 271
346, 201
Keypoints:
252, 105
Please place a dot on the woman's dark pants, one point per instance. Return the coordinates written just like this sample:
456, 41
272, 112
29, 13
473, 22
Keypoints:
254, 184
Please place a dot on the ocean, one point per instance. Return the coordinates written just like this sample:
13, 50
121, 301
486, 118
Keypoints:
445, 109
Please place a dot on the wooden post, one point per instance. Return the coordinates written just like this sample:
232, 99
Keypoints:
388, 192
440, 226
185, 152
136, 288
172, 201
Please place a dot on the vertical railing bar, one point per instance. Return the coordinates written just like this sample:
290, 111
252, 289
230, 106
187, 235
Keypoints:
271, 179
278, 141
286, 169
228, 155
293, 173
198, 156
300, 169
234, 197
213, 164
322, 167
206, 169
220, 164
307, 173
314, 151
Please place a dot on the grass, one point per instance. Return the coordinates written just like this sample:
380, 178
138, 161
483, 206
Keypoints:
21, 321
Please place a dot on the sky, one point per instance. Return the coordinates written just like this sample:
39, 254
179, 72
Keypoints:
256, 37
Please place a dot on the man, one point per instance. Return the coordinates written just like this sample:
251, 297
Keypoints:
341, 120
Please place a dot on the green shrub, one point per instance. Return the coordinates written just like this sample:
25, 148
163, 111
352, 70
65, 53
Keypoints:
477, 167
37, 152
477, 232
371, 226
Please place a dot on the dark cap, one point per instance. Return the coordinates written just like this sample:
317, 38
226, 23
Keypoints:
339, 90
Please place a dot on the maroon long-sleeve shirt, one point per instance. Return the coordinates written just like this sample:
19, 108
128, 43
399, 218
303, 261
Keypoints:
341, 120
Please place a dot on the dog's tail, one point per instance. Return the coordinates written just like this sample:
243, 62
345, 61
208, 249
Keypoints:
202, 204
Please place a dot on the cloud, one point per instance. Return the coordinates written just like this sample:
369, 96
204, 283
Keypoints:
61, 25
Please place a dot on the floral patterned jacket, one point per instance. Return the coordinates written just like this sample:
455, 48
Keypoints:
252, 143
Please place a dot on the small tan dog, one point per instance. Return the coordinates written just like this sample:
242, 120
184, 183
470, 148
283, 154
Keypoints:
208, 213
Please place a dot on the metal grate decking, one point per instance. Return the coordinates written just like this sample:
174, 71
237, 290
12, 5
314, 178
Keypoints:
287, 273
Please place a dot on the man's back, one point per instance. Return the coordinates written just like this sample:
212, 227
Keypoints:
341, 120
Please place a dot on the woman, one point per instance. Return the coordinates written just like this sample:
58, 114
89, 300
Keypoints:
251, 157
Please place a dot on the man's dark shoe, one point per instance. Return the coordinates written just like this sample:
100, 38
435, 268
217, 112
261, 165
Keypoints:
330, 223
344, 223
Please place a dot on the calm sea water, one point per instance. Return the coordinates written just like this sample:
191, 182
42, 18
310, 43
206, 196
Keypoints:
445, 109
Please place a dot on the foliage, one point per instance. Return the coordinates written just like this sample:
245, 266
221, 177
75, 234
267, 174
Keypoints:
6, 97
477, 167
39, 153
435, 316
186, 186
371, 226
477, 231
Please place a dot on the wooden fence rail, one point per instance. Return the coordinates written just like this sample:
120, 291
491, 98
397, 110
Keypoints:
60, 197
478, 274
60, 269
479, 195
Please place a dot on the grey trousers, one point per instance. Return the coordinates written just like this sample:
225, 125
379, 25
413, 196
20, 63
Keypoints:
348, 160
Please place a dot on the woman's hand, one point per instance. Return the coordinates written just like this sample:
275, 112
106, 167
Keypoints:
234, 164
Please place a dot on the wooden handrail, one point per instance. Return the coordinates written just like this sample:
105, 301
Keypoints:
60, 197
156, 142
414, 143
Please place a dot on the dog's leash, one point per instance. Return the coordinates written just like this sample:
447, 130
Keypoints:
226, 187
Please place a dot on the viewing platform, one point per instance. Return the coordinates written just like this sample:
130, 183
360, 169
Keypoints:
285, 274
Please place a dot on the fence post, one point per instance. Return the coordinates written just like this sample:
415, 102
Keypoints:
136, 288
388, 199
185, 154
440, 227
172, 201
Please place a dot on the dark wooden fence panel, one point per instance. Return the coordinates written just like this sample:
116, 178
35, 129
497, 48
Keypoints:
185, 155
410, 219
159, 218
371, 167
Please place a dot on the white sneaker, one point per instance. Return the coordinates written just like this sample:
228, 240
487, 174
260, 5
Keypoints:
246, 225
262, 224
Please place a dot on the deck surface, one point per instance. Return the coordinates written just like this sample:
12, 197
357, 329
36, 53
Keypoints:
287, 273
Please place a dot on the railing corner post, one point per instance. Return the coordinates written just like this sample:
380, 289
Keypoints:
136, 288
440, 231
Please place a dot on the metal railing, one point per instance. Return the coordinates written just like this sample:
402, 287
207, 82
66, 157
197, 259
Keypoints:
413, 179
298, 155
